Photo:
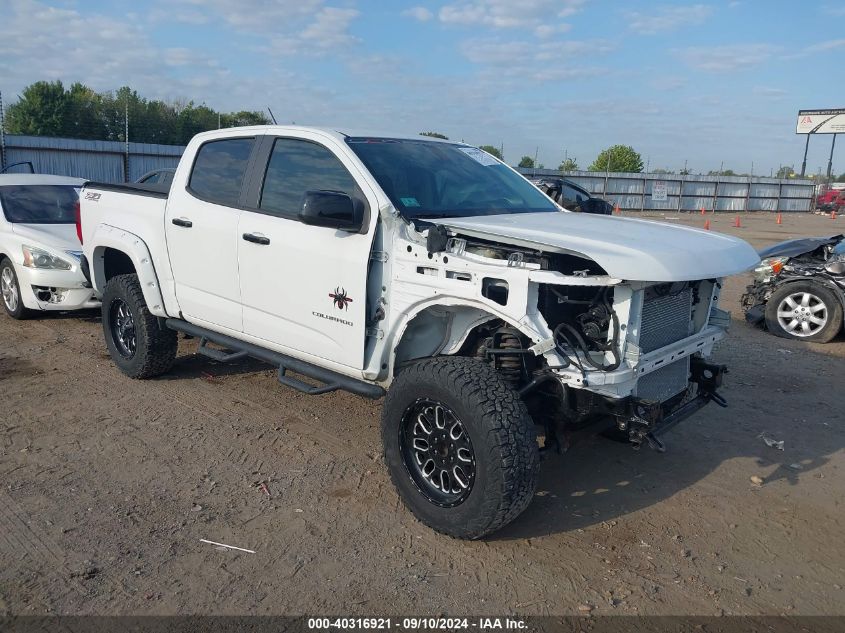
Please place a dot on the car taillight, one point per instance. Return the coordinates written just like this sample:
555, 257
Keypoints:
78, 216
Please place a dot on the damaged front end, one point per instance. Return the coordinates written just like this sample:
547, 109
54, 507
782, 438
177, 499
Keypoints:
819, 259
576, 342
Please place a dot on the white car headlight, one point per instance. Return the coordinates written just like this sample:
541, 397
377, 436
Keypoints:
37, 258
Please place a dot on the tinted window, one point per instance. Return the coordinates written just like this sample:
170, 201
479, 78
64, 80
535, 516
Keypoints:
571, 195
152, 178
39, 204
299, 166
428, 179
219, 170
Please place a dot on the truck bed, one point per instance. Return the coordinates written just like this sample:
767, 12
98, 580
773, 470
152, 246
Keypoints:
155, 190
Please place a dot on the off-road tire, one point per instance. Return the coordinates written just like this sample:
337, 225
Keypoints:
155, 348
503, 439
21, 312
834, 311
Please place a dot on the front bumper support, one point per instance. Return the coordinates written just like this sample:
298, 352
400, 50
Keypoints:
645, 420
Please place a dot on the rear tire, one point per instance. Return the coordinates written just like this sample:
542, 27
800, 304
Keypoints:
137, 343
804, 311
10, 291
460, 446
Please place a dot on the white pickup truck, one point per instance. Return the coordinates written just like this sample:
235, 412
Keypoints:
421, 269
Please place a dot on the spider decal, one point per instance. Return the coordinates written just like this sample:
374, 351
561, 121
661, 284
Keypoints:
339, 298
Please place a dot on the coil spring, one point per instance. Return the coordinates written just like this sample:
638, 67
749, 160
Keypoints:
509, 365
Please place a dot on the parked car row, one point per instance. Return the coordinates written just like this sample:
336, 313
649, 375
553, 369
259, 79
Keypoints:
422, 270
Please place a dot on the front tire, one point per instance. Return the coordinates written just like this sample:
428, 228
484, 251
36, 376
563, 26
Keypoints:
804, 311
138, 345
460, 446
10, 291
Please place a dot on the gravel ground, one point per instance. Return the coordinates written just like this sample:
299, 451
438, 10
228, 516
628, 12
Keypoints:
109, 484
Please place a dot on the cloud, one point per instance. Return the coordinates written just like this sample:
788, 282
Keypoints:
828, 45
421, 14
771, 93
506, 14
812, 49
548, 30
668, 19
42, 42
534, 60
249, 16
309, 27
727, 58
666, 83
835, 10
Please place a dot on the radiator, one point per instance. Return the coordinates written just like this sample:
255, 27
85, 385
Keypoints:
663, 383
665, 319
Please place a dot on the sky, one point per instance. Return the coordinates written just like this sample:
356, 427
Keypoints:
709, 83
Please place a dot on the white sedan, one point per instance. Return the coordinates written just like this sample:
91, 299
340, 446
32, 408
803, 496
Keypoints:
39, 248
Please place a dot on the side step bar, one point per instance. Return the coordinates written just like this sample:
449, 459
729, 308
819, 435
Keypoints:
332, 381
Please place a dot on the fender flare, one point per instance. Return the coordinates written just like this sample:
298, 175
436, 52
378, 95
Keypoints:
107, 236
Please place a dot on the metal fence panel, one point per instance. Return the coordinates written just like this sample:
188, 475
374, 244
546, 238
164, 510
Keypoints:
104, 161
109, 161
727, 193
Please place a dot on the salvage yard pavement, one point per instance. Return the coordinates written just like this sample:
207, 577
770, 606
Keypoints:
109, 485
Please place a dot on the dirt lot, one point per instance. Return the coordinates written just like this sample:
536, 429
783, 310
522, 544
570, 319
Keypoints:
108, 484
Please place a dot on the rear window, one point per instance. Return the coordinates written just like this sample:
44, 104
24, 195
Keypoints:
219, 170
39, 204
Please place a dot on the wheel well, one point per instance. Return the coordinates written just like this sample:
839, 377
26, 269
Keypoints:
438, 330
115, 263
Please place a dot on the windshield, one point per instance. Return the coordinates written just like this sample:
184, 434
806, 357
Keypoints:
428, 179
39, 204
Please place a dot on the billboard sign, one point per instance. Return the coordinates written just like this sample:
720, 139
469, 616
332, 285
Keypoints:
821, 122
659, 191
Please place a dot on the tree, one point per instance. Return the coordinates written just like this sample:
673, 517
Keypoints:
527, 162
724, 172
618, 158
661, 170
40, 110
785, 171
47, 109
570, 164
494, 151
685, 172
435, 135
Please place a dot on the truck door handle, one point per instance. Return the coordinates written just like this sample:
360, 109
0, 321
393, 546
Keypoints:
182, 222
256, 238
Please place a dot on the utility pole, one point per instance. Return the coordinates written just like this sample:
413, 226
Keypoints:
804, 164
2, 136
126, 140
536, 151
829, 161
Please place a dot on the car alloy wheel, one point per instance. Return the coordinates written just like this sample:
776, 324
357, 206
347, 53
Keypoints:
9, 289
122, 324
437, 452
802, 314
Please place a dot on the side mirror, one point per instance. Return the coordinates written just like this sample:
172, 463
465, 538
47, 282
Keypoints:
332, 209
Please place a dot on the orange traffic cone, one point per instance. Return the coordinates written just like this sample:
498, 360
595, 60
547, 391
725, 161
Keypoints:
737, 223
707, 225
616, 209
779, 220
702, 211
